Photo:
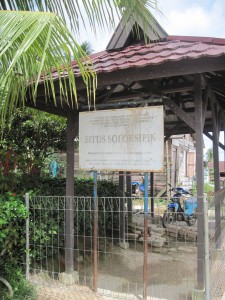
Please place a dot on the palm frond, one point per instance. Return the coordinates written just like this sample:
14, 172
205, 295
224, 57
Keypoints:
31, 43
92, 13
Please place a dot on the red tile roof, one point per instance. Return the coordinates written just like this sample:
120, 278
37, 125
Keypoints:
173, 48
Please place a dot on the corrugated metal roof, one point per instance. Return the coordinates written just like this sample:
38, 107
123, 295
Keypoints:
172, 48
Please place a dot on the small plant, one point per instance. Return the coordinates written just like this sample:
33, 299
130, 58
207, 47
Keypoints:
19, 288
12, 240
208, 188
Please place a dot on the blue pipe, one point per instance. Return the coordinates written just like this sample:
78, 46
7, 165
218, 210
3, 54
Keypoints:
146, 194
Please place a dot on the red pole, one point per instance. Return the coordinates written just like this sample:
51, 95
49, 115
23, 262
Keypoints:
145, 267
95, 235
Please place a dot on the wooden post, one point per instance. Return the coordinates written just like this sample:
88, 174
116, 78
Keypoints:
200, 181
168, 178
70, 136
216, 131
129, 196
121, 207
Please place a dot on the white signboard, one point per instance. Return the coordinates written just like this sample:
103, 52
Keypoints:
123, 139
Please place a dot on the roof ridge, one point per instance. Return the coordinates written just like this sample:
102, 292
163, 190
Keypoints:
200, 39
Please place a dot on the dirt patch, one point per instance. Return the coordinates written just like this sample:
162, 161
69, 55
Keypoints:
171, 272
162, 268
52, 289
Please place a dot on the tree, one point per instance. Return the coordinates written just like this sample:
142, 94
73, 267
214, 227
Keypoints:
32, 42
87, 47
209, 155
27, 141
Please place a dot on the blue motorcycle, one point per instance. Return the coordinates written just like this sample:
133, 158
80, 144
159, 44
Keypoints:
176, 212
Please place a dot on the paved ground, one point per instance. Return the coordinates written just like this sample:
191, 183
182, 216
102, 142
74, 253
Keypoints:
50, 290
217, 271
52, 293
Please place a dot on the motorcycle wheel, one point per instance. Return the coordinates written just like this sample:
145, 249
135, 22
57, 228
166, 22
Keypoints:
168, 217
191, 220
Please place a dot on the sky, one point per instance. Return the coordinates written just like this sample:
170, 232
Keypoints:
180, 17
198, 18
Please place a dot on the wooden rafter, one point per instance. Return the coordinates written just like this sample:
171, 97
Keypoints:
180, 113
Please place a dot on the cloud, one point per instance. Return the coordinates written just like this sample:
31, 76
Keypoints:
180, 17
206, 18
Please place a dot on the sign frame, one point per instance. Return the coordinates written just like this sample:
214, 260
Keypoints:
130, 139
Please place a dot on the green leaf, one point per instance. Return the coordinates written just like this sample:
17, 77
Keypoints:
94, 14
29, 48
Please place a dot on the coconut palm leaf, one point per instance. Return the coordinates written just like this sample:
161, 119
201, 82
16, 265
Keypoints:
91, 13
30, 45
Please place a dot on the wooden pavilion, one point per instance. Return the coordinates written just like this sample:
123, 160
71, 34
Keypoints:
184, 74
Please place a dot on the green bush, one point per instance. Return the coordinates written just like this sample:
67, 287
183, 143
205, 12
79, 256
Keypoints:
47, 224
12, 247
208, 188
47, 214
12, 222
57, 187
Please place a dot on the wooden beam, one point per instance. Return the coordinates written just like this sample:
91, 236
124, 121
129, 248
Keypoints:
205, 104
180, 113
211, 138
173, 131
167, 69
211, 93
149, 90
58, 111
178, 88
215, 115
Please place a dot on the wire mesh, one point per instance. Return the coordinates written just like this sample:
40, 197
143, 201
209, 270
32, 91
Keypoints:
172, 251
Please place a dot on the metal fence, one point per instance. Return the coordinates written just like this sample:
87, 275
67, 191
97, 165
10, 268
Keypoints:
216, 216
171, 256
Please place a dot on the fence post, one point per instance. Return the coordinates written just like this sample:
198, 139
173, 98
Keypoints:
206, 242
95, 235
145, 267
27, 238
